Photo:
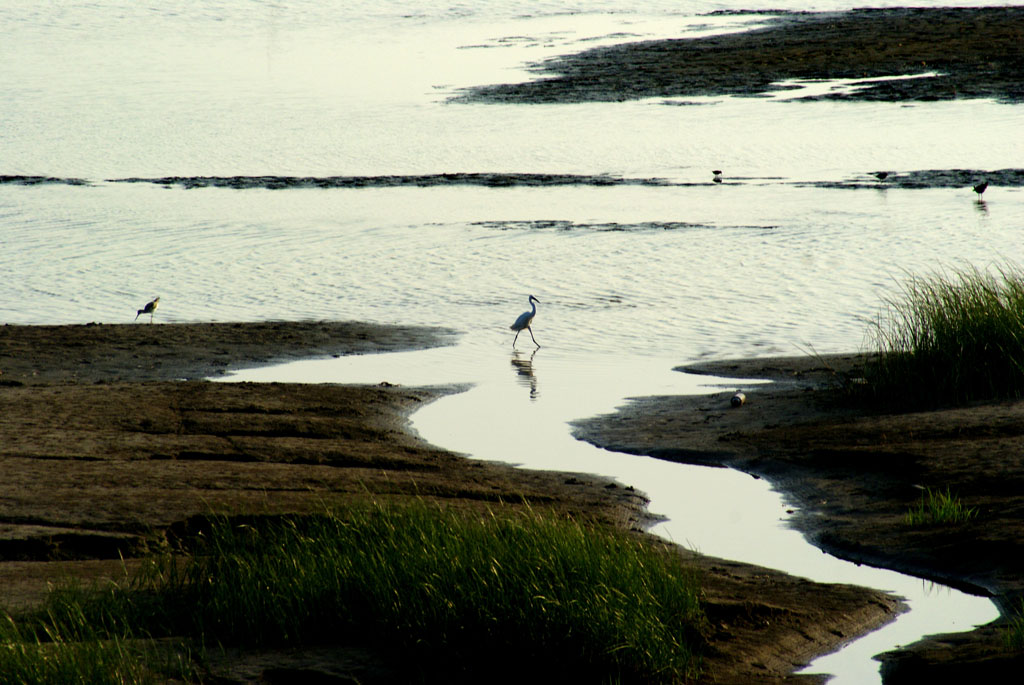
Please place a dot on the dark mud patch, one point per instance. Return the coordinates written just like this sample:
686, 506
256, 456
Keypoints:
41, 180
101, 460
905, 180
854, 474
973, 53
133, 352
565, 225
42, 543
490, 180
928, 178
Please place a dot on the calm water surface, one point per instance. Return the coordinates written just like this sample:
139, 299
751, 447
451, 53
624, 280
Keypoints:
633, 280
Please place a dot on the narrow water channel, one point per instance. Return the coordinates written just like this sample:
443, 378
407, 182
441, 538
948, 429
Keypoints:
517, 407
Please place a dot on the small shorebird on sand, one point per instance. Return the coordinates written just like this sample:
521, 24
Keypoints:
980, 188
524, 321
150, 308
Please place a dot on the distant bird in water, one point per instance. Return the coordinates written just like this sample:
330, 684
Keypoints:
718, 176
524, 321
881, 175
150, 308
980, 188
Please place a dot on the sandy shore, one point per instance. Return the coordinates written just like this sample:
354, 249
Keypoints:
101, 456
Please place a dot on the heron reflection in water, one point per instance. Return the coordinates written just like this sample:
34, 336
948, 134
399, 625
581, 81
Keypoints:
524, 369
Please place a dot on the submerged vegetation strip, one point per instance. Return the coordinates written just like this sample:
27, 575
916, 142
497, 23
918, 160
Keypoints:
456, 593
950, 339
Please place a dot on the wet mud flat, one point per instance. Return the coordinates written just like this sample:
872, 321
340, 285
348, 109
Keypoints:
104, 454
896, 179
484, 179
105, 353
958, 52
854, 474
928, 178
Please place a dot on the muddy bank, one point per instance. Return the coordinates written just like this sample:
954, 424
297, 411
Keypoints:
103, 457
106, 353
973, 53
485, 179
902, 179
854, 475
494, 180
927, 178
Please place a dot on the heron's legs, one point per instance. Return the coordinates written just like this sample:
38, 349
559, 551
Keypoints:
531, 337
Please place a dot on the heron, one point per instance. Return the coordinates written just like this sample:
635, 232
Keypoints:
980, 188
150, 308
718, 176
524, 321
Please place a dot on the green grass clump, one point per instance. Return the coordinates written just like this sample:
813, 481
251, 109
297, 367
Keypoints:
951, 341
63, 644
466, 596
1013, 633
941, 508
56, 656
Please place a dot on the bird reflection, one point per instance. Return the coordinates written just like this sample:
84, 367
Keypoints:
524, 369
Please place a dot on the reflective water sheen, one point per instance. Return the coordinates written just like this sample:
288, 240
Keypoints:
633, 279
517, 412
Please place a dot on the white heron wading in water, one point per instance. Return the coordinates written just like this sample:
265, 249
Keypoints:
524, 321
149, 309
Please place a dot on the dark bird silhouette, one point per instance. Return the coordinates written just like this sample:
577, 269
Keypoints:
881, 175
524, 321
980, 188
150, 308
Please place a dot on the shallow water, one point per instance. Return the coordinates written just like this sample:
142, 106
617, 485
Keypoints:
517, 412
692, 271
633, 279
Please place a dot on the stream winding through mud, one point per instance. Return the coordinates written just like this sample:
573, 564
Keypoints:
517, 409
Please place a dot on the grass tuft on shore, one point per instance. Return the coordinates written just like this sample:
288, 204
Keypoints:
938, 507
64, 644
951, 340
1013, 634
63, 652
454, 593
